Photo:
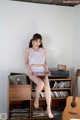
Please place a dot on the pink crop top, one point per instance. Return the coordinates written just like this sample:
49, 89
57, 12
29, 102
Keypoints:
36, 57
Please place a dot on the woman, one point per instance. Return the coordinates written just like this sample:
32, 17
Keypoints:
36, 62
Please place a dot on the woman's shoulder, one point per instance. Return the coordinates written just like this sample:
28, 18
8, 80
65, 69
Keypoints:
43, 49
27, 50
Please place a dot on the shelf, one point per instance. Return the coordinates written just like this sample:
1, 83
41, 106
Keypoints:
60, 89
62, 79
19, 94
56, 89
51, 98
42, 118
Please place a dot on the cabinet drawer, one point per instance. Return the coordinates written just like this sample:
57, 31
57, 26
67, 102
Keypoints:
20, 92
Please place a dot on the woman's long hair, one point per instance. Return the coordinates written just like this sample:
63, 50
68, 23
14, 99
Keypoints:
35, 37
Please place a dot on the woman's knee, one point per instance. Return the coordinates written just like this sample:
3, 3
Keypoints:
41, 83
38, 81
46, 84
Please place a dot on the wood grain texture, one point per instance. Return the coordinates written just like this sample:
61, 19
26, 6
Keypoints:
71, 112
20, 92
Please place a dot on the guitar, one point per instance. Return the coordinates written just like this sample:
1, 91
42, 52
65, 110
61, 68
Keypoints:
72, 109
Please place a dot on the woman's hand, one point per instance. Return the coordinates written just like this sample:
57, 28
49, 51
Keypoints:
47, 71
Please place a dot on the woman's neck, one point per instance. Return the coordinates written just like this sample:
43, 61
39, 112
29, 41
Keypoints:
35, 48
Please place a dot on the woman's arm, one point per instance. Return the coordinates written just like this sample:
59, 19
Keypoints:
46, 65
27, 61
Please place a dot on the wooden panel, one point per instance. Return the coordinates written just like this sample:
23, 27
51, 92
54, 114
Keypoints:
20, 92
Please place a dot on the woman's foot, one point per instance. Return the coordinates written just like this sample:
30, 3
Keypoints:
50, 115
36, 103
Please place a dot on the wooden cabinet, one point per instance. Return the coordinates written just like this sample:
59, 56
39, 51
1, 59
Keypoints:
60, 89
19, 92
21, 99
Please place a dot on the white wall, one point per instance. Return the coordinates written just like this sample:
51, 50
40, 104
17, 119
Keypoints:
19, 21
76, 42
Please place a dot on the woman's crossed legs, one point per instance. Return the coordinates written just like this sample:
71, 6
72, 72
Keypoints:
42, 82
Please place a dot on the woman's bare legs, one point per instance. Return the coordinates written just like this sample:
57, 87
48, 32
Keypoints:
48, 96
40, 85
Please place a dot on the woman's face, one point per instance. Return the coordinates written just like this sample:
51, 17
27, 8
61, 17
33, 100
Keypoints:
36, 43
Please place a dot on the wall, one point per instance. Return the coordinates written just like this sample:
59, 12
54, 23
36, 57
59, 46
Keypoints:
19, 21
76, 42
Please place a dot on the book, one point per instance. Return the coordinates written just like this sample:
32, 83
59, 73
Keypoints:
41, 73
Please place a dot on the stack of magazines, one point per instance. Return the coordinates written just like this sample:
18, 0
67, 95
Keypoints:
38, 112
19, 113
40, 96
58, 111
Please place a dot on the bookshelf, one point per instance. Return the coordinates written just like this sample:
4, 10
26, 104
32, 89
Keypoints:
21, 99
